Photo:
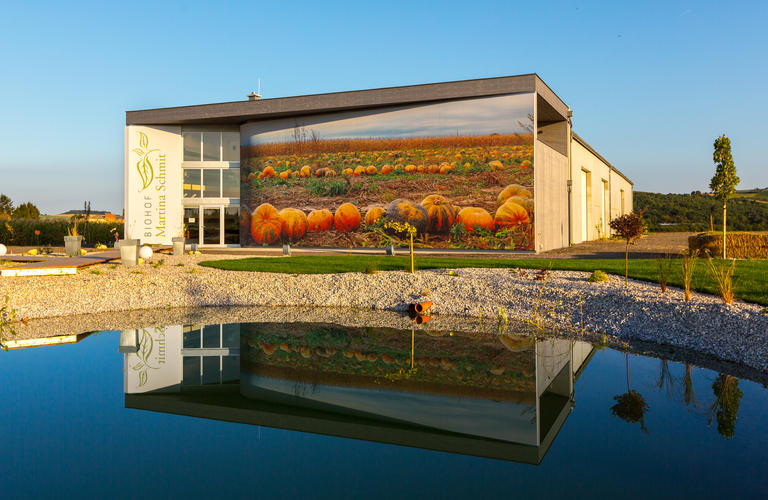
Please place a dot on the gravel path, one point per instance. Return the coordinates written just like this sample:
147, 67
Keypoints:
734, 333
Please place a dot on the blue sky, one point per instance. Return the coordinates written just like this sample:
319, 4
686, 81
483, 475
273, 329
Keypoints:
651, 85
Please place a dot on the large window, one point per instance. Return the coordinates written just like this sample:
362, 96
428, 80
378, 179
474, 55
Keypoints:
211, 183
212, 146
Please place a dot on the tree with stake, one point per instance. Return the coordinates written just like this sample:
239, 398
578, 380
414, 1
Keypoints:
725, 180
629, 227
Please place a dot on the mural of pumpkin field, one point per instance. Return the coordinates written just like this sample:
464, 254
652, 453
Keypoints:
334, 184
472, 364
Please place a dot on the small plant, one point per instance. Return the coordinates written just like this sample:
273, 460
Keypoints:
629, 227
722, 273
541, 275
457, 232
688, 260
664, 265
137, 272
597, 276
7, 315
453, 273
371, 269
503, 320
403, 228
425, 293
180, 264
72, 229
113, 266
95, 271
158, 263
192, 271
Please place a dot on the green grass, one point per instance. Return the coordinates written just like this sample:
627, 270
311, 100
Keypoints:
751, 277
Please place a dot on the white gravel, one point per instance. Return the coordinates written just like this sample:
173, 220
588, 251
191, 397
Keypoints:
735, 333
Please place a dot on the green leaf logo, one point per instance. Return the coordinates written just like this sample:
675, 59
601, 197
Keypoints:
144, 166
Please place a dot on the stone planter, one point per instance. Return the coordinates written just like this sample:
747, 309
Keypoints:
129, 252
178, 245
72, 245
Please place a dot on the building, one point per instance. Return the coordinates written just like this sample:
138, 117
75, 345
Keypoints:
230, 372
489, 163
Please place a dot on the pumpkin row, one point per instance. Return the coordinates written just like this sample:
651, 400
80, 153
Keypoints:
306, 171
435, 214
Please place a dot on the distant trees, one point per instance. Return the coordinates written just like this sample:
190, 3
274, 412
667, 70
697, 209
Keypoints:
691, 212
26, 211
6, 205
725, 180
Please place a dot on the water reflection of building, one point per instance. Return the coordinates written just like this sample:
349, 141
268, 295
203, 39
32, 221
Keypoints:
512, 410
43, 341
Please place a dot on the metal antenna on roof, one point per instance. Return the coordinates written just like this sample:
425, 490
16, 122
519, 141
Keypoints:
255, 96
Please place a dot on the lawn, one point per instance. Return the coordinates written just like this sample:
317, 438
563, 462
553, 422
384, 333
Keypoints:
751, 276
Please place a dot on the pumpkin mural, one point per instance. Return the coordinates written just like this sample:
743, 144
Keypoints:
266, 224
347, 218
510, 215
407, 211
513, 190
373, 214
472, 217
294, 224
319, 220
386, 169
526, 203
439, 213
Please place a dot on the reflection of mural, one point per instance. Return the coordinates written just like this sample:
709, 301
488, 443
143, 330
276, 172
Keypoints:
461, 172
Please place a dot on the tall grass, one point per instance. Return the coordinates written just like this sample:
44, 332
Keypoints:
688, 260
664, 265
722, 274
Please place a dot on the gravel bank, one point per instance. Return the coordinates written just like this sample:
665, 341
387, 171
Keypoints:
737, 333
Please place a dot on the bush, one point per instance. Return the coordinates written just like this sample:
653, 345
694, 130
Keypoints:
597, 276
21, 232
740, 245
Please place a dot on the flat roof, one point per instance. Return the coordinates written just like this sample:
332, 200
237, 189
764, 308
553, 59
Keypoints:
242, 111
592, 150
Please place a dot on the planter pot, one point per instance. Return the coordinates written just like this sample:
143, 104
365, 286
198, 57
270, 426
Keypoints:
389, 250
287, 250
129, 252
178, 245
72, 245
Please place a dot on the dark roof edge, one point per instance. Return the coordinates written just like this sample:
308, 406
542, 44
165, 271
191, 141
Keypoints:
241, 111
600, 157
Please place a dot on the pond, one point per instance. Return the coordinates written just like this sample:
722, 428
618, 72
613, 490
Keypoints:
323, 410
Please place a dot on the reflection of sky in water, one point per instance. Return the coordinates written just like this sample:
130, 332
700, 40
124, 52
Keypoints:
481, 116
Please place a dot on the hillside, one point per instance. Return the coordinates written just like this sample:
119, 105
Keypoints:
691, 212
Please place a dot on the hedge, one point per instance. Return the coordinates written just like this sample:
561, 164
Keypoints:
740, 245
21, 232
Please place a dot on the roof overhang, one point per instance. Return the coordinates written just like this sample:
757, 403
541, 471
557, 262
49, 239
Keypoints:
243, 111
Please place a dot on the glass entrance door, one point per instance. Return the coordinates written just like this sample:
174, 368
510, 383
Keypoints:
211, 226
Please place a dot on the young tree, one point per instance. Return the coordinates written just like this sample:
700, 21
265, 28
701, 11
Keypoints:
629, 227
725, 180
26, 211
6, 205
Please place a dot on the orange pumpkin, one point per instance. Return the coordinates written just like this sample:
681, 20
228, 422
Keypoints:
421, 169
407, 211
526, 164
268, 172
371, 170
510, 215
433, 169
320, 220
496, 165
329, 172
513, 190
526, 203
285, 174
472, 217
251, 176
348, 172
444, 170
347, 218
294, 224
439, 213
320, 172
360, 170
386, 169
372, 215
410, 168
266, 224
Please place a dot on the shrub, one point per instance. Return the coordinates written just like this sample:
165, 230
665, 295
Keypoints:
22, 232
664, 265
597, 276
371, 269
740, 245
628, 227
